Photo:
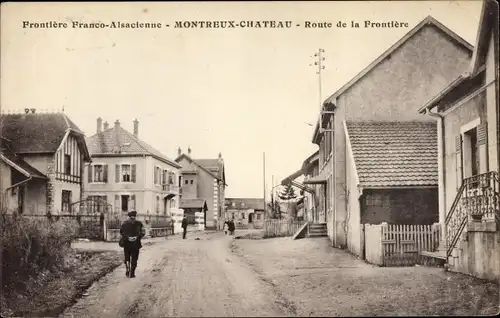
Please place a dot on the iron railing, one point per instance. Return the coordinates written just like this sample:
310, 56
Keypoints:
478, 199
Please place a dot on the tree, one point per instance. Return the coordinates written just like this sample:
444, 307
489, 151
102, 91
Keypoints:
288, 193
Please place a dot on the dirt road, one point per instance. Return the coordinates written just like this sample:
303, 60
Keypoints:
190, 278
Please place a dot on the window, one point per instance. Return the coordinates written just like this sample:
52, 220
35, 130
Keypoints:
171, 178
243, 215
157, 204
191, 181
98, 173
157, 175
66, 201
126, 173
67, 164
186, 181
258, 216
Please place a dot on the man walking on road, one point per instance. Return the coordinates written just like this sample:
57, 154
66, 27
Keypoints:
132, 231
184, 227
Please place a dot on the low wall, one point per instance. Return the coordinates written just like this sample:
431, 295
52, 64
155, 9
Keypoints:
478, 254
113, 235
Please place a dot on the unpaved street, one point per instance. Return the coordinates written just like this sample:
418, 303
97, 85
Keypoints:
186, 278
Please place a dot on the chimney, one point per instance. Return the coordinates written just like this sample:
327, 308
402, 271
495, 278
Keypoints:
99, 124
33, 110
27, 110
189, 151
106, 125
220, 157
136, 128
179, 151
117, 136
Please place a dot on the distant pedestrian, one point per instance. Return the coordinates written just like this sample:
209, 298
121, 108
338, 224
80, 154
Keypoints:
224, 228
231, 227
184, 227
132, 231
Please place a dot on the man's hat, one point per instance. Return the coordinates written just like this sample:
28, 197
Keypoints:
132, 213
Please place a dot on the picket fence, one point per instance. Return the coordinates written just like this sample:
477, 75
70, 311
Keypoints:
280, 228
399, 245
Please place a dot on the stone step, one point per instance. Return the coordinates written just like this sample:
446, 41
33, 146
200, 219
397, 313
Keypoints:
317, 234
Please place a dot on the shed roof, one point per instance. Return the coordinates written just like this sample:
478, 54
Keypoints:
394, 154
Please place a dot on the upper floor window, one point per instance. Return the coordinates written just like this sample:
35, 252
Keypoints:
98, 173
186, 181
67, 164
157, 175
125, 173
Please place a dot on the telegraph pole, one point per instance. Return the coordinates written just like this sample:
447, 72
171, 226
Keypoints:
264, 181
319, 63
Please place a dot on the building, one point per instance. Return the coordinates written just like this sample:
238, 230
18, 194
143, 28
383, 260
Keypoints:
42, 161
129, 174
203, 186
391, 89
467, 115
391, 176
310, 204
246, 212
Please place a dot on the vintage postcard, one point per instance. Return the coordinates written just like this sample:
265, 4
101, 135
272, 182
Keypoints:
229, 159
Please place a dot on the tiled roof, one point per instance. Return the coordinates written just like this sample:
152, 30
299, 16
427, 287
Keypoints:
192, 203
211, 165
394, 153
244, 203
105, 143
17, 163
35, 132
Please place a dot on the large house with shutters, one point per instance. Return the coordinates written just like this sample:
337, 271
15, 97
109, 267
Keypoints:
467, 115
41, 163
129, 174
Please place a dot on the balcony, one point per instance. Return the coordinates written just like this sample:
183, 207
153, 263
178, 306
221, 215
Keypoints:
171, 189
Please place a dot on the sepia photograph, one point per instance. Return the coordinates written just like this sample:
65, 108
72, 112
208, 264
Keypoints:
250, 158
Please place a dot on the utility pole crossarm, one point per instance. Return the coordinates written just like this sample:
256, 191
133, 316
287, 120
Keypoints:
319, 63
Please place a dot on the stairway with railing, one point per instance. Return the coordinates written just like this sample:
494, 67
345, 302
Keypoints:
478, 199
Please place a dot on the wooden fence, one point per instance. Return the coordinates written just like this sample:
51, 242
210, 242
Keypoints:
279, 228
399, 245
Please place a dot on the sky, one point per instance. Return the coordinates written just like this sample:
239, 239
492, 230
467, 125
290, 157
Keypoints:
241, 92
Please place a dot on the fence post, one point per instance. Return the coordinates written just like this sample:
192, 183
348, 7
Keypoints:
383, 230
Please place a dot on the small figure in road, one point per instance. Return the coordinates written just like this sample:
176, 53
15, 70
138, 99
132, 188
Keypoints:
224, 228
231, 227
132, 231
184, 227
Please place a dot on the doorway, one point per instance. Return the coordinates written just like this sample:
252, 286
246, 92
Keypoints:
250, 218
20, 200
124, 202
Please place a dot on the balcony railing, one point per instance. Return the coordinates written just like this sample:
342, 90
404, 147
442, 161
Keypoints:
171, 188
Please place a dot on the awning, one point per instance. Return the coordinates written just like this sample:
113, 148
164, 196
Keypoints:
292, 177
319, 179
192, 204
170, 195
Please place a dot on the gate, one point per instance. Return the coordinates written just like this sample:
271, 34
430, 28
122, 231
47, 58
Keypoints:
89, 216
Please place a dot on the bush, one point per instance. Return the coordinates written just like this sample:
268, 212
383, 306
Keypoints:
33, 245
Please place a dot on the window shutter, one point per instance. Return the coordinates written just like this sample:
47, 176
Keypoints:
458, 159
117, 173
155, 176
131, 202
90, 173
105, 173
117, 203
482, 144
133, 173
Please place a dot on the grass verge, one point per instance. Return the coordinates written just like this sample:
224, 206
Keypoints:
49, 293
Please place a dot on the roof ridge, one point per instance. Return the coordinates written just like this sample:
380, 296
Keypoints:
140, 143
